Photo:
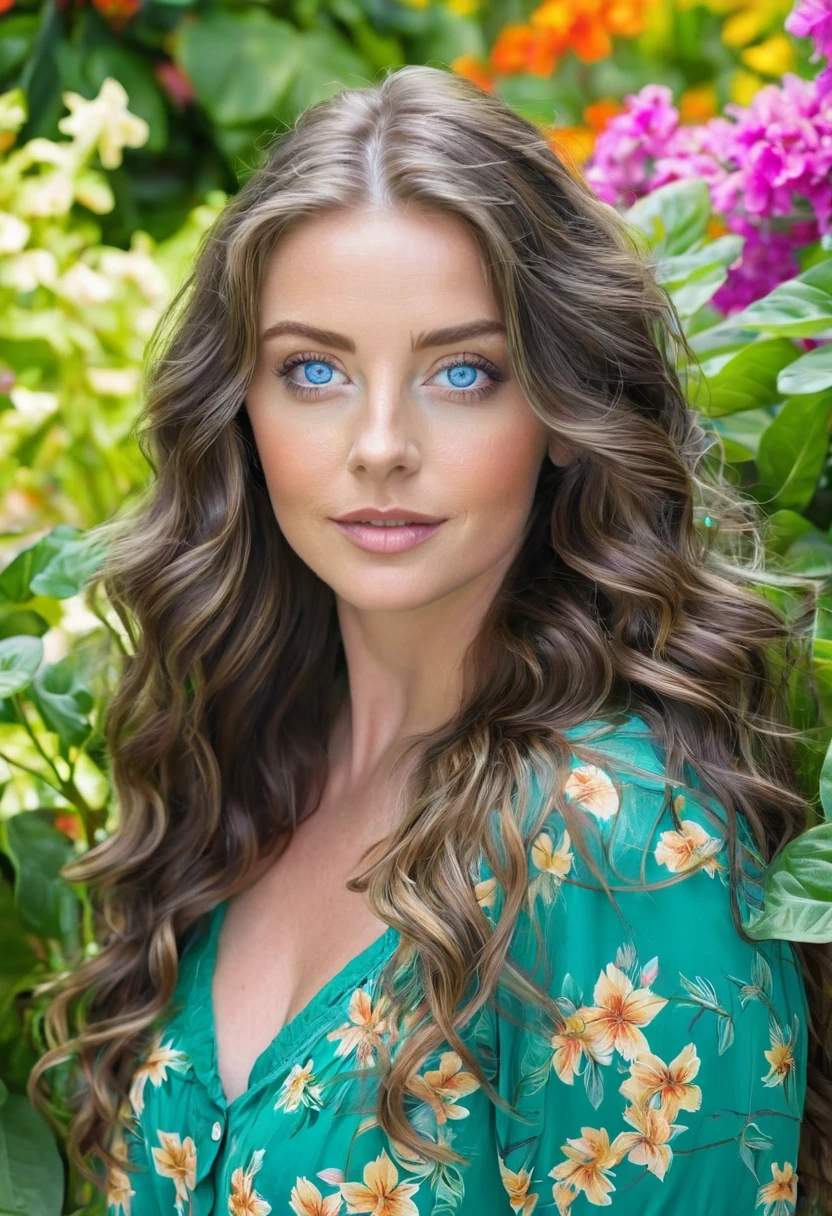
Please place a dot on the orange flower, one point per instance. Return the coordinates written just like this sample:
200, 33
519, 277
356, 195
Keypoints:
307, 1200
176, 1159
520, 48
154, 1068
593, 790
117, 12
590, 39
598, 113
474, 69
299, 1087
780, 1057
648, 1145
573, 145
517, 1187
441, 1087
380, 1194
365, 1033
244, 1200
119, 1191
782, 1190
589, 1165
672, 1083
689, 849
571, 1044
619, 1012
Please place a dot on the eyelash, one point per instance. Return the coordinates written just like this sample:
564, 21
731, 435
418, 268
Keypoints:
456, 394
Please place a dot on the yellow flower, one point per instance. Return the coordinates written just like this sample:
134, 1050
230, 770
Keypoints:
154, 1068
690, 849
517, 1187
440, 1088
551, 860
244, 1200
589, 1165
773, 57
672, 1083
593, 790
298, 1088
176, 1159
619, 1012
365, 1033
648, 1145
782, 1190
380, 1194
780, 1057
307, 1200
485, 892
573, 1042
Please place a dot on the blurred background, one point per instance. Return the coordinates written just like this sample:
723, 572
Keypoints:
124, 127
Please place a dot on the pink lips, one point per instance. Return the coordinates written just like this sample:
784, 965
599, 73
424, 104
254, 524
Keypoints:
387, 540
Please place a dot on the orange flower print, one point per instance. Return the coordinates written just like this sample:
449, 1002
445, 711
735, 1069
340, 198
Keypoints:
363, 1033
648, 1145
672, 1083
244, 1200
517, 1188
299, 1087
119, 1191
571, 1044
176, 1159
441, 1087
381, 1194
780, 1057
589, 1166
619, 1012
154, 1068
551, 860
307, 1200
689, 849
779, 1196
593, 790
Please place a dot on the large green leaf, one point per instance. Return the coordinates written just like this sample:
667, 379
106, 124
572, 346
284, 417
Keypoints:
62, 700
797, 891
798, 308
793, 450
20, 657
31, 1173
808, 374
16, 578
241, 64
47, 904
692, 278
674, 217
826, 784
745, 379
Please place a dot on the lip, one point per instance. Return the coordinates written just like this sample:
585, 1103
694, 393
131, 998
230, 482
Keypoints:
387, 540
384, 513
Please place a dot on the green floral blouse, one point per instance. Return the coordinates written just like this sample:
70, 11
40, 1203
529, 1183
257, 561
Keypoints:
676, 1084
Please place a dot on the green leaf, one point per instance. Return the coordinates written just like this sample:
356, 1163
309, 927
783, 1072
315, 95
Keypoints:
47, 904
808, 374
16, 578
798, 308
62, 700
674, 217
797, 891
826, 784
745, 379
68, 571
241, 64
32, 1177
693, 278
329, 63
793, 450
20, 657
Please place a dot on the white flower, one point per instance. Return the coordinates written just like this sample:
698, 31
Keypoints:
113, 381
85, 286
50, 193
138, 266
14, 232
25, 271
34, 406
104, 123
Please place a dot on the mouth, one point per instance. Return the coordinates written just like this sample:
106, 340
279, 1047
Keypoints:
387, 536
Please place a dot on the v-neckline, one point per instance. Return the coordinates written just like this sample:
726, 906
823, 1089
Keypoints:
295, 1034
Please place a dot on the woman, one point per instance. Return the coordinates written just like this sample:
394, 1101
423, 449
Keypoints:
437, 835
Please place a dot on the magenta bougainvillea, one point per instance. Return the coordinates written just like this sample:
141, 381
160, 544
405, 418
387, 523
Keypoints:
768, 165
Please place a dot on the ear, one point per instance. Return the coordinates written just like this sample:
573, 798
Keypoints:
560, 453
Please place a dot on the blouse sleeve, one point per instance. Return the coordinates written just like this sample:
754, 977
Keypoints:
675, 1079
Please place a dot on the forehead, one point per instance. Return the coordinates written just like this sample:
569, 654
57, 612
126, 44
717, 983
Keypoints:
422, 267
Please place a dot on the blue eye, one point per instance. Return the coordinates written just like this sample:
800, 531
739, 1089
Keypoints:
318, 373
462, 373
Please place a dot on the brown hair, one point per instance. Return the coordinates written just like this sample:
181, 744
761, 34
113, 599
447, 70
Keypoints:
617, 599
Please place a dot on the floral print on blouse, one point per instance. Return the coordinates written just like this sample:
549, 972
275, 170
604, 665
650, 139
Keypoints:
676, 1083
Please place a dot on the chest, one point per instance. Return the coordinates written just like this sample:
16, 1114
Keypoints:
286, 937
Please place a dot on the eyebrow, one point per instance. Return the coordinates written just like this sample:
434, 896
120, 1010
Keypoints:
434, 337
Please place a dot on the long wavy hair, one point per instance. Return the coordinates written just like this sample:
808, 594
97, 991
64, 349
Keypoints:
619, 599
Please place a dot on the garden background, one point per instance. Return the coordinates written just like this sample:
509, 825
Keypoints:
125, 125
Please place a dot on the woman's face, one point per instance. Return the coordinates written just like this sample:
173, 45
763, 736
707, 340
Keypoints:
378, 408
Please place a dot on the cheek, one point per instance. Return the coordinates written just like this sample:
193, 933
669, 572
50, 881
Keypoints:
296, 461
495, 478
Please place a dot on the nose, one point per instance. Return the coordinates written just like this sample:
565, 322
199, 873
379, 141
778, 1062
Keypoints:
384, 431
